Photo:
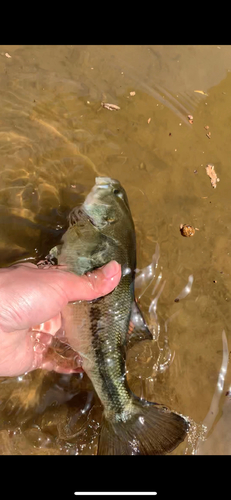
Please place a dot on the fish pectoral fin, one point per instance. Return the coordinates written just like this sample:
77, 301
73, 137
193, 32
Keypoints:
54, 252
138, 330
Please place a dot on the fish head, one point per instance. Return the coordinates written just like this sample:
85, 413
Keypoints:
100, 230
107, 204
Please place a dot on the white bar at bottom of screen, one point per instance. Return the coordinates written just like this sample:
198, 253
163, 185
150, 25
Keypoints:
130, 493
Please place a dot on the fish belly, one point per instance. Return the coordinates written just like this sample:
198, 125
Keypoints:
76, 324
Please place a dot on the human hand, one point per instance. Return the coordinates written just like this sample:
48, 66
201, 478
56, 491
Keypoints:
31, 296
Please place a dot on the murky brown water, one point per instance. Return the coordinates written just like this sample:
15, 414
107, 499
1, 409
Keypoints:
54, 138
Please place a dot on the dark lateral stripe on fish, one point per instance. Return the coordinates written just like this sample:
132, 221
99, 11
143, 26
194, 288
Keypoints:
109, 387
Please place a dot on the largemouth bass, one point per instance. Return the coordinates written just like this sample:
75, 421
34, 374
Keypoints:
99, 231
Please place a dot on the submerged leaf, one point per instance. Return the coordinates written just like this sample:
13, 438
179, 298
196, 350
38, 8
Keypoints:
111, 107
200, 92
210, 171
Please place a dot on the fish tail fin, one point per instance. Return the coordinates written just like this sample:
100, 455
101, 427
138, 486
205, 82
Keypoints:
150, 429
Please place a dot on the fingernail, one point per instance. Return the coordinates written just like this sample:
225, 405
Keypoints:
110, 269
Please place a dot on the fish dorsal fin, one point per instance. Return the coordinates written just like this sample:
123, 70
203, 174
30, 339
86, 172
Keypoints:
138, 329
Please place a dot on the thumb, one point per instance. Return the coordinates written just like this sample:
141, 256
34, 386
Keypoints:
94, 284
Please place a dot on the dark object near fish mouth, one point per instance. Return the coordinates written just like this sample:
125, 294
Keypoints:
77, 215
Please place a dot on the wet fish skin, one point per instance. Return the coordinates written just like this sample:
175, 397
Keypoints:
100, 231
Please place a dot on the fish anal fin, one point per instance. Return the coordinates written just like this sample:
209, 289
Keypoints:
138, 329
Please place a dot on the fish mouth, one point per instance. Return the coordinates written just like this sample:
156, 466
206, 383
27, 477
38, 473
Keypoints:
94, 197
105, 181
100, 183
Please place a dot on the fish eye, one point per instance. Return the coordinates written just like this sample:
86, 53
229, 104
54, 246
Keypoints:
116, 191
